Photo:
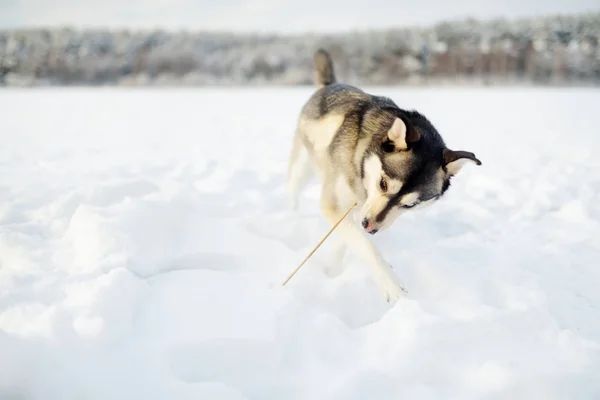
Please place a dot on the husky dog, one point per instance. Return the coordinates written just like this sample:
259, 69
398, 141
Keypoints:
366, 149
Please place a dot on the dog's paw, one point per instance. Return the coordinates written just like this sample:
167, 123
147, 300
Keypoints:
333, 270
392, 295
292, 204
336, 265
392, 290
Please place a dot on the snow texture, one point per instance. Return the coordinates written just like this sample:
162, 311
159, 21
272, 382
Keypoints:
144, 237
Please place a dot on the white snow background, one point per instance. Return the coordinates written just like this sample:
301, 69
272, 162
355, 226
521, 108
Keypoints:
144, 237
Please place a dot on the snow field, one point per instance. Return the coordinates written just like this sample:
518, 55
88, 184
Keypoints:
144, 237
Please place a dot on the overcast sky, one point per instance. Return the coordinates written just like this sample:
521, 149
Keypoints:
288, 16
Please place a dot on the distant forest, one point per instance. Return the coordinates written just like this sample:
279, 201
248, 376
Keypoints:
552, 50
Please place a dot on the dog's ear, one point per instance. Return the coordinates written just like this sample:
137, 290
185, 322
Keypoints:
454, 160
400, 136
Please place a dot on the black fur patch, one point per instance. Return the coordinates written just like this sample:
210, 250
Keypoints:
388, 146
445, 185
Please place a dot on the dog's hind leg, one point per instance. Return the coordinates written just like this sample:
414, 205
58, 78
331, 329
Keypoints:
390, 285
299, 171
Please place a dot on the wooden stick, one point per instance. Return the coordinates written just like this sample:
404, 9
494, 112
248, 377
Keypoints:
320, 243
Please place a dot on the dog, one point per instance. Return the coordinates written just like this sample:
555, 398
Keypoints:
367, 150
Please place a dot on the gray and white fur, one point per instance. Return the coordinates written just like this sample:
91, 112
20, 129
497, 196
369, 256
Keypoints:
366, 149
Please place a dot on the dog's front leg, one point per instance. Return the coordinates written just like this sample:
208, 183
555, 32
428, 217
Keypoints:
391, 287
336, 267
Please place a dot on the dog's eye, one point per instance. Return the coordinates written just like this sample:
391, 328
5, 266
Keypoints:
383, 185
409, 205
388, 147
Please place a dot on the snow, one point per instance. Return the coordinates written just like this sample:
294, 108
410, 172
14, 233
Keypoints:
144, 237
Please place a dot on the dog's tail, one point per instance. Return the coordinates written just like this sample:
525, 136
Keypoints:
324, 73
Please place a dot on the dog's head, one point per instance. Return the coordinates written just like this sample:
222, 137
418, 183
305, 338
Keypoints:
408, 166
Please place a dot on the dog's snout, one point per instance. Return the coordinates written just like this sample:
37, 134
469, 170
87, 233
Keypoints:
369, 226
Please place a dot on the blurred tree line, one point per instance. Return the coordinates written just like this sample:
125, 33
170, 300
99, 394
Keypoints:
547, 51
